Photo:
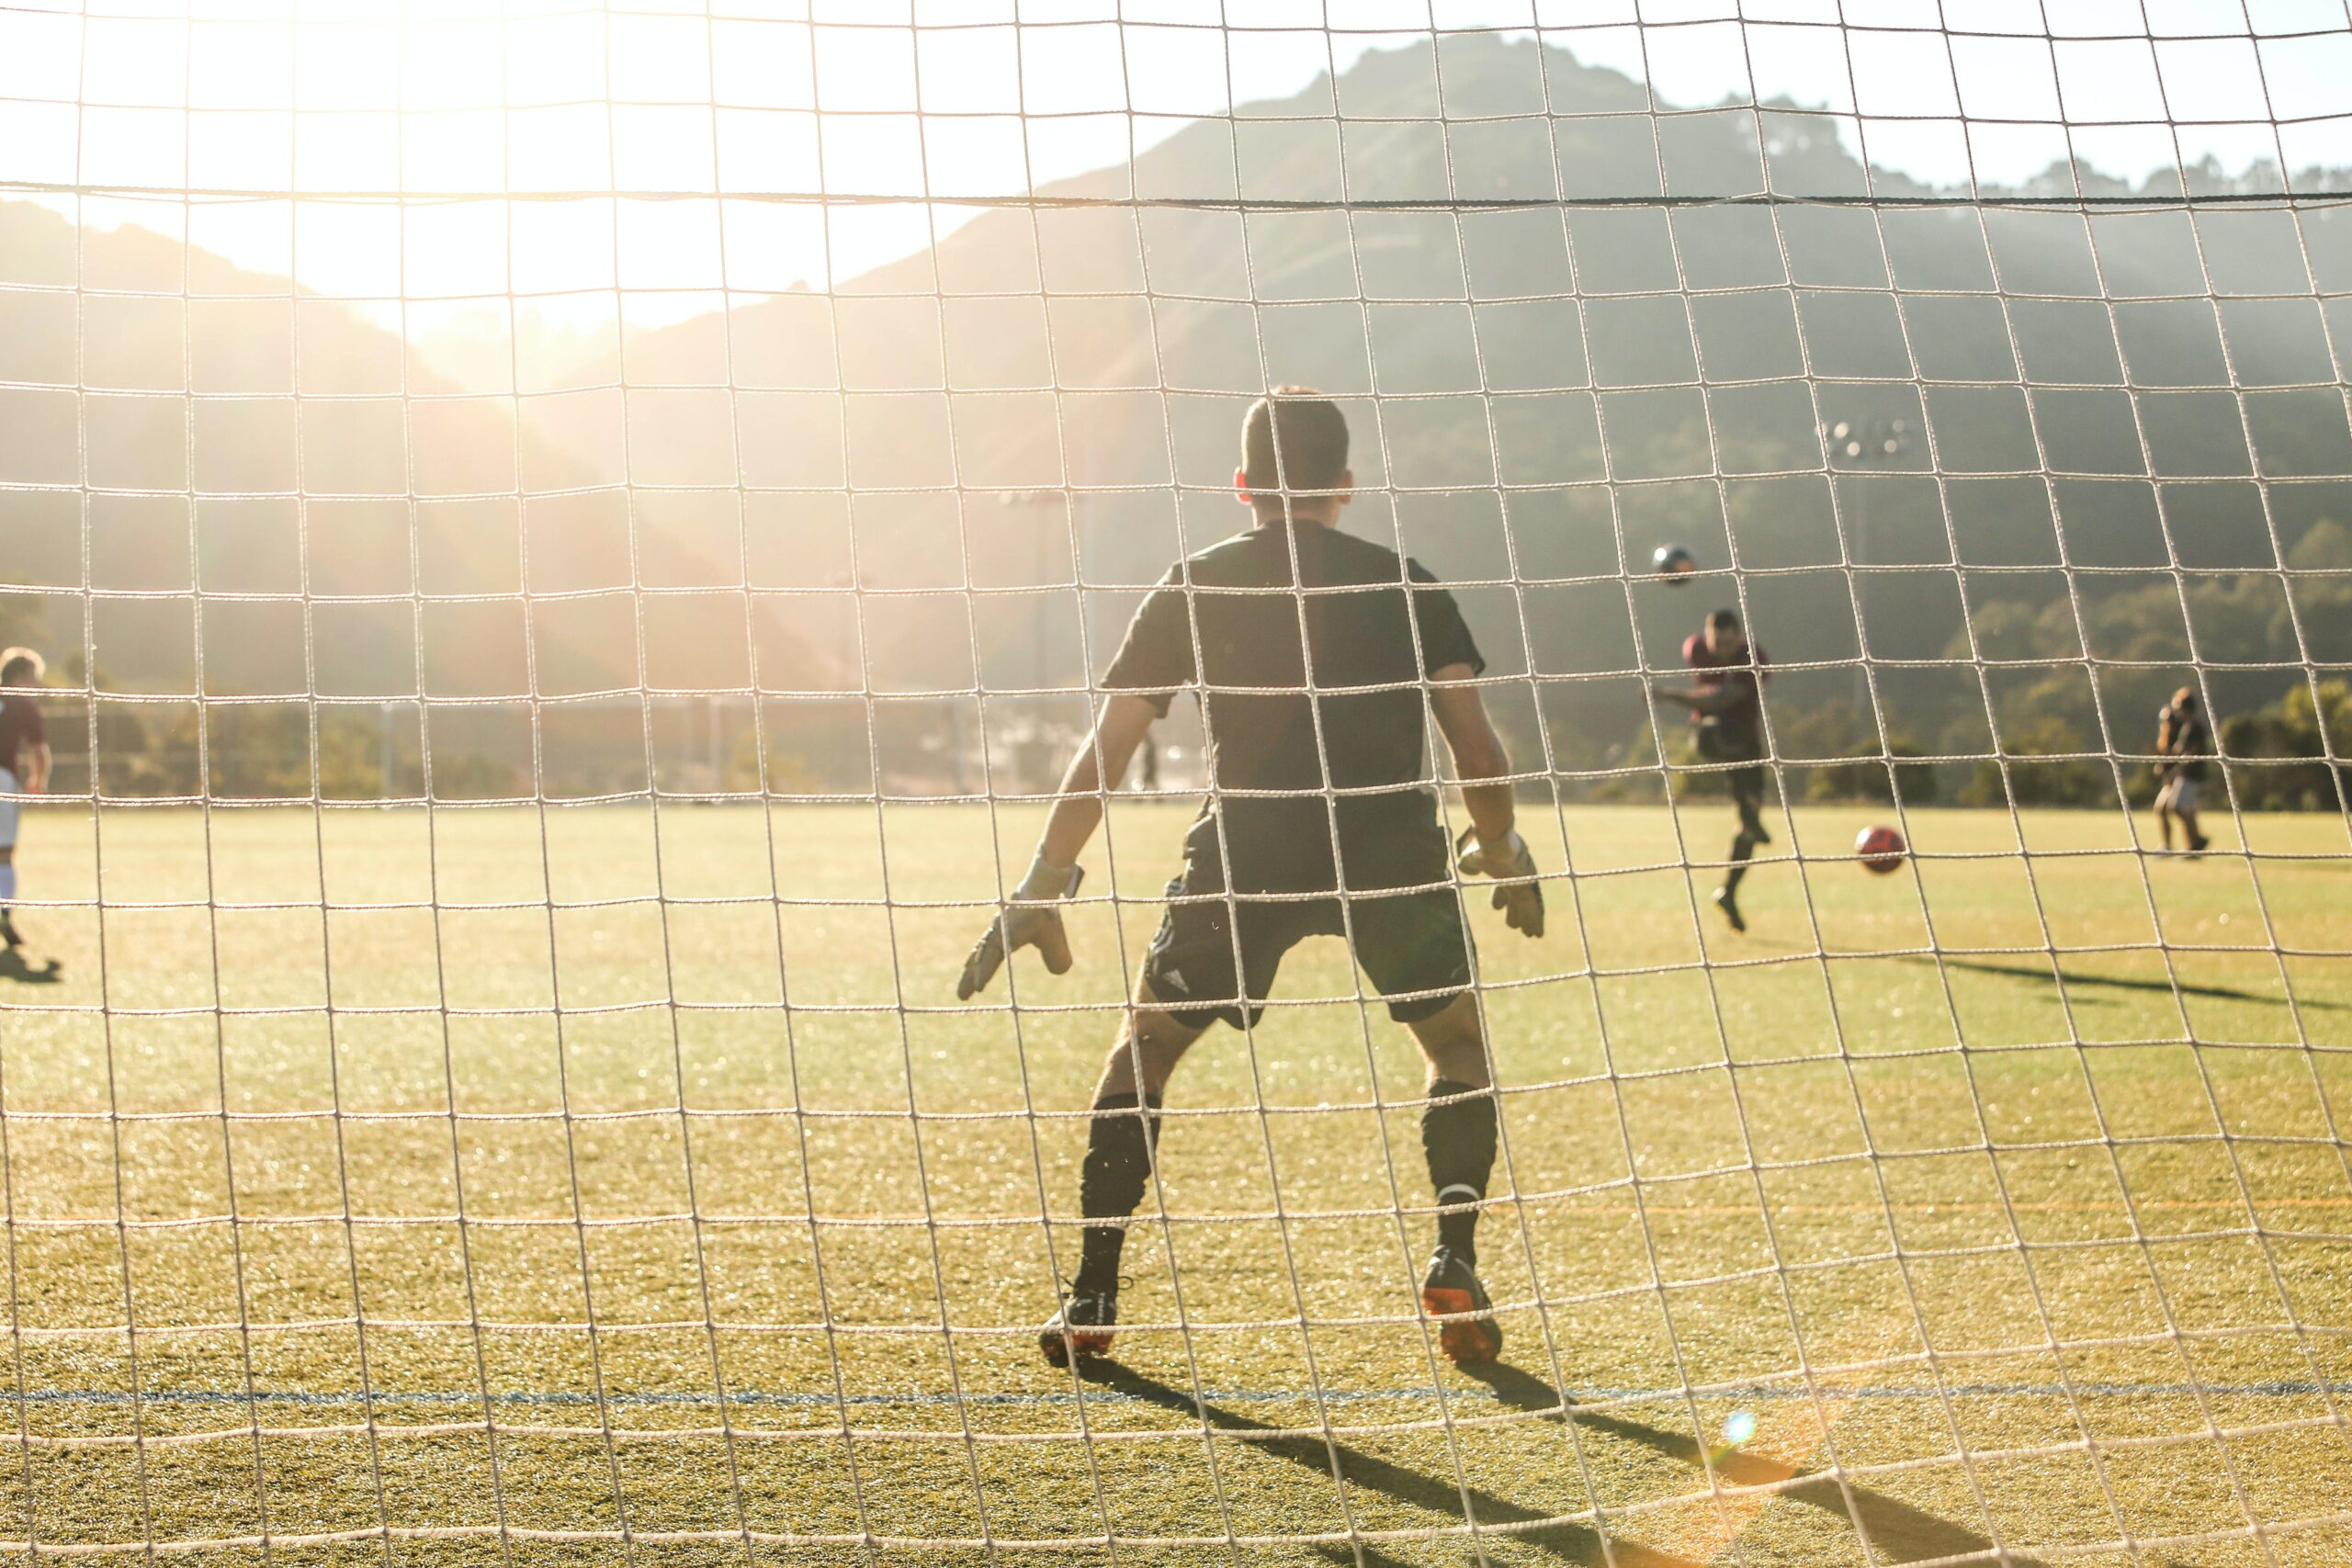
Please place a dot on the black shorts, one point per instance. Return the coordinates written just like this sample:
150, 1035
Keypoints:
1408, 943
1747, 785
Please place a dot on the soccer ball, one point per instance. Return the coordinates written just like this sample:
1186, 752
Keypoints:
1879, 849
1673, 563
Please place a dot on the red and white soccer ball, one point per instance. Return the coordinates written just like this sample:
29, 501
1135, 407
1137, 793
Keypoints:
1879, 849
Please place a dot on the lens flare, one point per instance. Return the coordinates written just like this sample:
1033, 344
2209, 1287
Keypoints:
1739, 1427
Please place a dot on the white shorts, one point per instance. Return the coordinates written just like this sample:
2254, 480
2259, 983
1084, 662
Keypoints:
7, 810
2179, 794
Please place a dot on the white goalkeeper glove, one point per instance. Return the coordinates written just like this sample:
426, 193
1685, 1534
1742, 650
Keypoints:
1028, 920
1521, 896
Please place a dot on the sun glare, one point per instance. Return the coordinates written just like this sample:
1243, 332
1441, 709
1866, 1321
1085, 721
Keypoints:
658, 152
371, 151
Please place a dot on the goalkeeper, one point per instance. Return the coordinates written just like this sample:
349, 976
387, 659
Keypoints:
1321, 820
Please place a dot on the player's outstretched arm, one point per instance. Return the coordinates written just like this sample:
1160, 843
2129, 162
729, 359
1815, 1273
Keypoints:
1491, 847
1697, 699
1031, 918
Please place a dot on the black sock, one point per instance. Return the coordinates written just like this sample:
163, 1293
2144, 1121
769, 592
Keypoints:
1459, 1140
1110, 1184
1741, 848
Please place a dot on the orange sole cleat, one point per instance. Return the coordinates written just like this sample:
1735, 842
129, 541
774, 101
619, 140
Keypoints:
1081, 1331
1059, 1344
1466, 1340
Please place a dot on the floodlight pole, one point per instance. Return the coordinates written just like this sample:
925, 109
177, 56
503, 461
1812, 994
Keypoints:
714, 707
1040, 501
1039, 498
1862, 443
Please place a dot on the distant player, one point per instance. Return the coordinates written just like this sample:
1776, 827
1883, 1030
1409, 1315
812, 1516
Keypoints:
1727, 706
2185, 740
24, 768
1301, 789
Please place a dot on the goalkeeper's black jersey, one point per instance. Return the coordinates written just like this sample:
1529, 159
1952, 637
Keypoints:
1368, 627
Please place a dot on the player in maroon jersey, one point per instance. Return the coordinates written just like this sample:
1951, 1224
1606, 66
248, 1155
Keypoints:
1726, 705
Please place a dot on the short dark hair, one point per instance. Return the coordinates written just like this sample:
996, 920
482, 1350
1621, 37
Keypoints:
1295, 439
1724, 620
21, 664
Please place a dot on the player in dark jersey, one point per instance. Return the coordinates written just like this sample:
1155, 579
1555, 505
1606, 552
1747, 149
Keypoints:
1316, 657
2185, 740
24, 769
1727, 703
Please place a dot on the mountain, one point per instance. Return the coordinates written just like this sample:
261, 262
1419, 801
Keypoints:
1541, 393
407, 486
1588, 329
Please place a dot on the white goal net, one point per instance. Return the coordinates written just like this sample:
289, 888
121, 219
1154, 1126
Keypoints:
569, 549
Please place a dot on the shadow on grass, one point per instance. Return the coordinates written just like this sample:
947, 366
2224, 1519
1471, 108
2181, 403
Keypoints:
2118, 982
1898, 1532
1439, 1494
14, 967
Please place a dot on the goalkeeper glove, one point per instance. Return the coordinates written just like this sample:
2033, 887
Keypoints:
1521, 901
1029, 919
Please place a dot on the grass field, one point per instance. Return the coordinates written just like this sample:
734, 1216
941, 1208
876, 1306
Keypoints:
640, 1264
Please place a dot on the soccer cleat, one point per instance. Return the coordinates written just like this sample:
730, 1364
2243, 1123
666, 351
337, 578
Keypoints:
2200, 844
1081, 1328
1728, 902
9, 935
1450, 1295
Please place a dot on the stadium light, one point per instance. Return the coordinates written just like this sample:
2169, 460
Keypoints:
1865, 445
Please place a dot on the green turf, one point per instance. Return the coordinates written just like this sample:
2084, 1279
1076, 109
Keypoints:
1967, 1231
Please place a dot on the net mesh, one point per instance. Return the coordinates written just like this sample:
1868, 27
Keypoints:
572, 547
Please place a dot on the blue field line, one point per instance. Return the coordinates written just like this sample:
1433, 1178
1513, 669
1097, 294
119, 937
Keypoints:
760, 1398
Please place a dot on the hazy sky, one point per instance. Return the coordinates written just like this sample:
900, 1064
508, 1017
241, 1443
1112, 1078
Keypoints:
947, 98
